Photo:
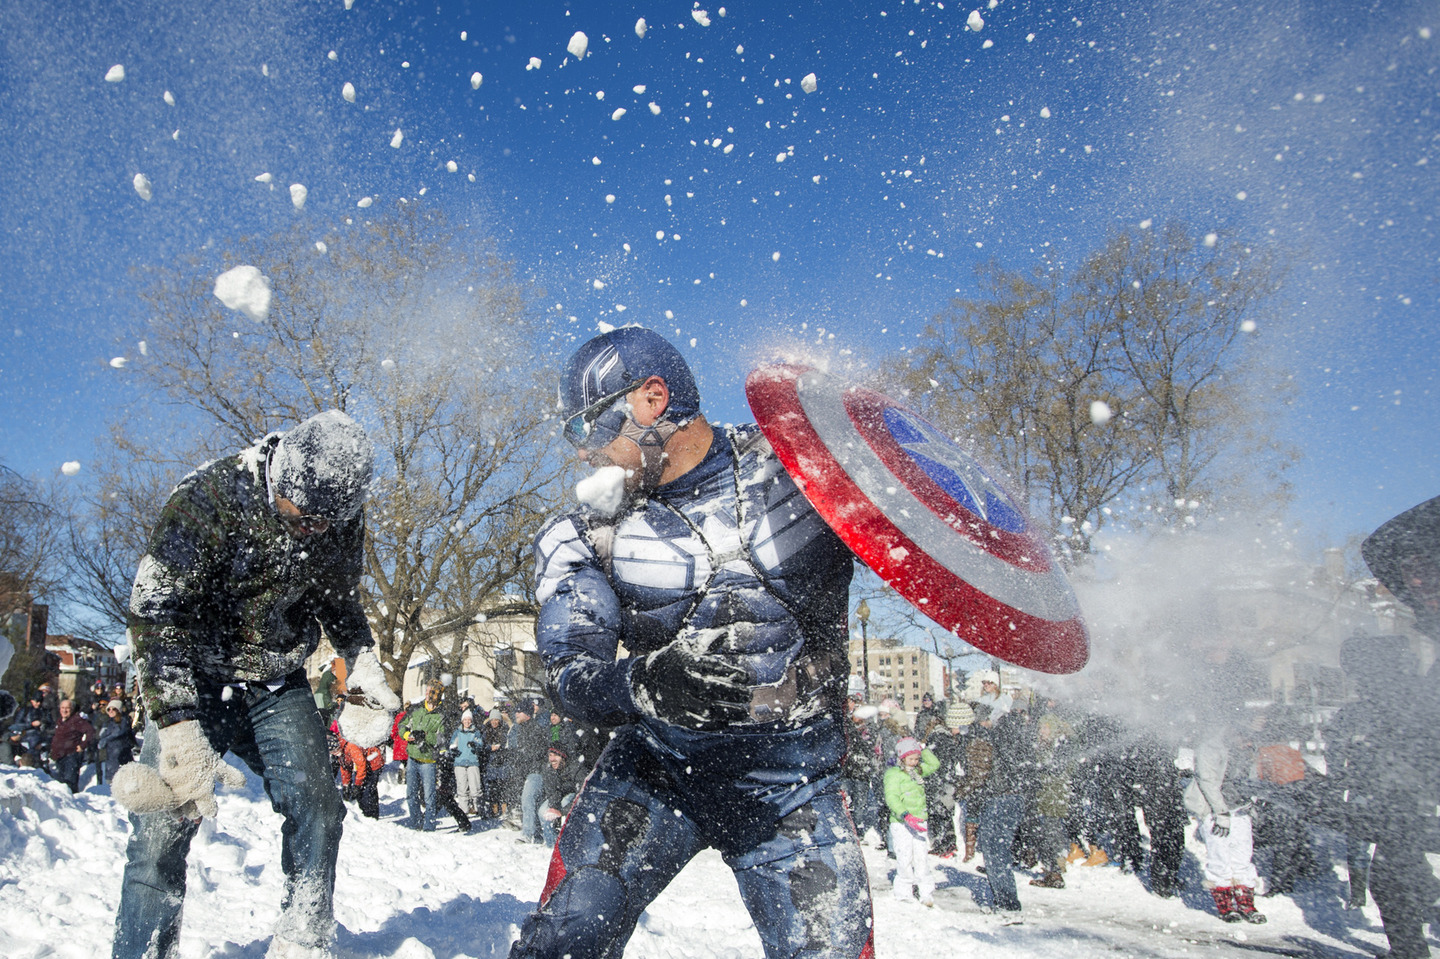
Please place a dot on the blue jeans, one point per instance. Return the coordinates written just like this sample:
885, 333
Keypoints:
420, 790
999, 818
530, 796
278, 735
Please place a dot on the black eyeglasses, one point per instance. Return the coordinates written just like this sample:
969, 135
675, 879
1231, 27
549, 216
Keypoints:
599, 423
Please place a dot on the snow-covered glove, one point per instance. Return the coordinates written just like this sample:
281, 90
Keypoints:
1221, 826
185, 780
683, 685
916, 825
370, 704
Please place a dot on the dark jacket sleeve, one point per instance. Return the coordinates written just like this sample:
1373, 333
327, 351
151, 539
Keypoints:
340, 611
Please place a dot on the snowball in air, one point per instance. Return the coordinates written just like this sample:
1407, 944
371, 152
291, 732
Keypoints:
578, 44
475, 80
70, 467
115, 74
775, 257
604, 490
534, 64
452, 166
118, 362
348, 92
397, 139
264, 178
298, 193
169, 98
618, 114
655, 109
640, 28
975, 21
701, 17
1247, 326
808, 83
1099, 412
142, 186
365, 201
246, 289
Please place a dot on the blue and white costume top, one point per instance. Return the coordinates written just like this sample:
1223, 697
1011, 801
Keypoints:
730, 556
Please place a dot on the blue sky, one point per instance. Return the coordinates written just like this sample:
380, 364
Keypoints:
1312, 126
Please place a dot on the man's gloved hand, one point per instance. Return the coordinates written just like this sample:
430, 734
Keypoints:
683, 685
370, 704
185, 781
916, 825
1221, 826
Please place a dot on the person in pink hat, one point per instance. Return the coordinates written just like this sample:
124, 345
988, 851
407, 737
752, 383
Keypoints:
909, 834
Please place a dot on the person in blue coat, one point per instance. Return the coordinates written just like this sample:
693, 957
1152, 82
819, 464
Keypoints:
729, 593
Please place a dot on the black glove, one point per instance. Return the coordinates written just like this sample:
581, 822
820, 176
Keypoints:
680, 685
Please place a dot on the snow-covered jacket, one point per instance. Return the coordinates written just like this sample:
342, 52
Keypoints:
904, 794
731, 551
225, 595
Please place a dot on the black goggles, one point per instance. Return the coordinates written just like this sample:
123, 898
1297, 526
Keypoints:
598, 424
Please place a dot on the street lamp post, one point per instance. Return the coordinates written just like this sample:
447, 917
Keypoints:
862, 613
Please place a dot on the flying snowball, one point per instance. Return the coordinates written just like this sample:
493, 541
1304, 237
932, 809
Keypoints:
264, 178
348, 92
618, 114
639, 89
169, 98
655, 109
1100, 412
808, 83
609, 198
332, 55
578, 44
142, 186
118, 362
1045, 113
397, 139
365, 202
246, 289
298, 193
701, 17
604, 491
595, 161
475, 80
115, 74
534, 64
320, 247
452, 166
975, 21
387, 364
775, 257
1247, 326
70, 467
640, 28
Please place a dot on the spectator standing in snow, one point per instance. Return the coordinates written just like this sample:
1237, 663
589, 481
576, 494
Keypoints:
423, 730
909, 832
251, 556
73, 736
1003, 799
492, 781
360, 775
1226, 829
698, 553
116, 740
470, 757
525, 758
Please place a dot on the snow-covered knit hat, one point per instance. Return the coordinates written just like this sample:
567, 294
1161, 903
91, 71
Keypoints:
907, 746
323, 466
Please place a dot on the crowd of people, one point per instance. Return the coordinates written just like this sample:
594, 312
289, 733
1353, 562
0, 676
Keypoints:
65, 735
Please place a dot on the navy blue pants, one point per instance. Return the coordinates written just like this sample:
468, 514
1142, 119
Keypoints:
640, 818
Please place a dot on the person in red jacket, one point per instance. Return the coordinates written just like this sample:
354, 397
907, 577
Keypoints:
360, 775
73, 735
399, 751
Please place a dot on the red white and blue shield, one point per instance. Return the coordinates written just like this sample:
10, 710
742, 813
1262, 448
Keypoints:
923, 515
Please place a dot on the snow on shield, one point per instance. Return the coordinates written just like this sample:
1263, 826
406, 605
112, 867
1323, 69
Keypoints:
923, 515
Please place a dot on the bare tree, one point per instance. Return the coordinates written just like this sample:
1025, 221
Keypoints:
430, 341
1126, 377
31, 527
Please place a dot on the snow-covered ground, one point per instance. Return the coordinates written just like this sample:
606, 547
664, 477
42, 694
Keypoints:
421, 895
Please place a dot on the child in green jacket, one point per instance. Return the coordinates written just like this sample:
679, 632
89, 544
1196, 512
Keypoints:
909, 835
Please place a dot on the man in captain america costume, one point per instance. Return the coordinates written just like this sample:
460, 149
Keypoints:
729, 594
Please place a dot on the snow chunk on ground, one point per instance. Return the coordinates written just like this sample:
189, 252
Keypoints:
142, 186
807, 83
246, 289
604, 490
115, 74
298, 194
578, 44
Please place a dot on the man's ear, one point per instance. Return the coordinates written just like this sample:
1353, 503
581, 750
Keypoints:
650, 400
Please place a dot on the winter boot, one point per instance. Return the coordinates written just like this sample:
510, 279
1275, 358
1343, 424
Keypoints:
972, 835
1076, 853
1245, 905
1097, 857
1225, 903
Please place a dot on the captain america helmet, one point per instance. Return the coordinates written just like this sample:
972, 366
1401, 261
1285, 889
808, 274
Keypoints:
611, 365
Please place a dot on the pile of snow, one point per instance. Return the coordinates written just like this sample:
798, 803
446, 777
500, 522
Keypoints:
444, 894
